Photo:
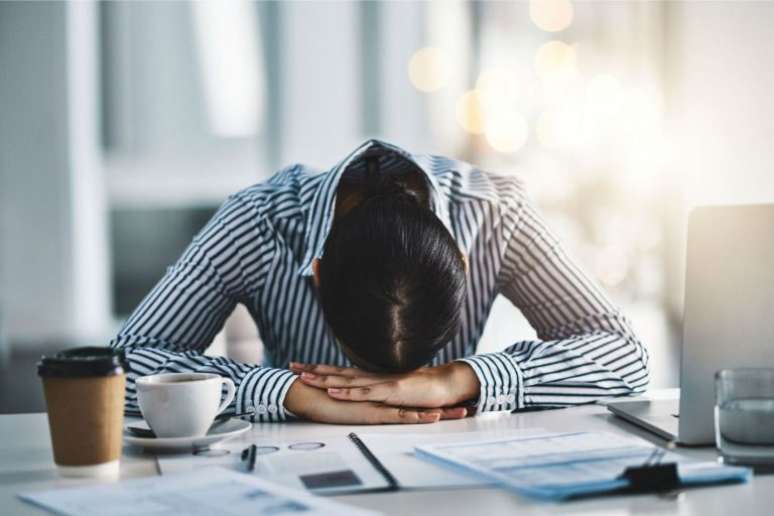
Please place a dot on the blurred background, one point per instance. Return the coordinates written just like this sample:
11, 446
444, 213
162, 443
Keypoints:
123, 125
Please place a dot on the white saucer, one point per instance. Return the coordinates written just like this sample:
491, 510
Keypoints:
225, 431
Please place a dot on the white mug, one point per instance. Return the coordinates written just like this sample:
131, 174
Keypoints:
182, 404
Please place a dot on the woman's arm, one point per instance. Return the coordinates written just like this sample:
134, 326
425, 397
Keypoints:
586, 349
168, 332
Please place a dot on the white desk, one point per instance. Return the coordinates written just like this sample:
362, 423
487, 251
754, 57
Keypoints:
26, 464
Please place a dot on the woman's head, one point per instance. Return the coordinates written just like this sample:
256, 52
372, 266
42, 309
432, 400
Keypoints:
392, 279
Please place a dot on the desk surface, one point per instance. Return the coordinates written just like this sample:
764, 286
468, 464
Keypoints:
26, 464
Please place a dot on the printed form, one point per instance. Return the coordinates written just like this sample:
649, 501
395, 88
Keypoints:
202, 492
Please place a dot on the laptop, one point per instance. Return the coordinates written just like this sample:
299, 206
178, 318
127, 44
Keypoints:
728, 320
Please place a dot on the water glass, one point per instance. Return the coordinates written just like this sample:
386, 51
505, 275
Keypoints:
744, 415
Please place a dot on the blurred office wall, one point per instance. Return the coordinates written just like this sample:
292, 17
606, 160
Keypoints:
720, 112
125, 124
721, 107
53, 262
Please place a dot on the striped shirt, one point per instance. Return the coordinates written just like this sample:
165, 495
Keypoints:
258, 250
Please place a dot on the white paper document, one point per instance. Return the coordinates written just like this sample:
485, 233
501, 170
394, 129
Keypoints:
336, 466
198, 493
396, 452
329, 466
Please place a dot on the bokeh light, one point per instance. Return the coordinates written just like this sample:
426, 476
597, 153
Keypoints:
556, 60
429, 69
494, 108
560, 128
604, 110
506, 130
470, 112
643, 113
612, 265
497, 86
604, 96
551, 15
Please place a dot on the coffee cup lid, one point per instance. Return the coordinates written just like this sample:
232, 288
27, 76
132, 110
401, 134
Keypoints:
84, 361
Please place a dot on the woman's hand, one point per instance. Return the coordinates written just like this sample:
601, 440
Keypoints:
429, 387
314, 404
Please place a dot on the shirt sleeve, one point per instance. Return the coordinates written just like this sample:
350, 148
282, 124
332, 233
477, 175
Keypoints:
176, 322
586, 348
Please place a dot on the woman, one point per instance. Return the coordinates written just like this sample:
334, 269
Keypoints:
371, 284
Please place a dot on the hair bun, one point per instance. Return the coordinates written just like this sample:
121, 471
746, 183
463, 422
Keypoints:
397, 188
393, 190
382, 185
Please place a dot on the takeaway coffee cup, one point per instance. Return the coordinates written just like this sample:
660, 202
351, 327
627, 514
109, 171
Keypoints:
84, 389
182, 404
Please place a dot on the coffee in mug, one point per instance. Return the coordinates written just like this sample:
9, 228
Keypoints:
84, 390
182, 404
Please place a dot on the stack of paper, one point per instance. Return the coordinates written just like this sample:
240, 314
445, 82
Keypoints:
396, 451
562, 465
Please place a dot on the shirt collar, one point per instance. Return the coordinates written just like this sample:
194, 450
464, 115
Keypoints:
319, 212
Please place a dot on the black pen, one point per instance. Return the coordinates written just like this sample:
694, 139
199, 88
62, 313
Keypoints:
249, 454
392, 483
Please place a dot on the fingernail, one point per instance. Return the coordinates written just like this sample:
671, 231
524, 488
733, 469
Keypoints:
334, 391
308, 376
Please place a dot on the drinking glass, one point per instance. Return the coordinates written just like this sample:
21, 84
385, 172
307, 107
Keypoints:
744, 415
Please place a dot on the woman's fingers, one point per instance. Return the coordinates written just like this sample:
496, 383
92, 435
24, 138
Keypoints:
454, 413
389, 393
399, 415
326, 381
311, 403
399, 393
381, 392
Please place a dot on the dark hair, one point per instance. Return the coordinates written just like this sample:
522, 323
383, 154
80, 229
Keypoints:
392, 279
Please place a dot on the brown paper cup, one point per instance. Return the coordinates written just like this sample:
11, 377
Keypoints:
85, 417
